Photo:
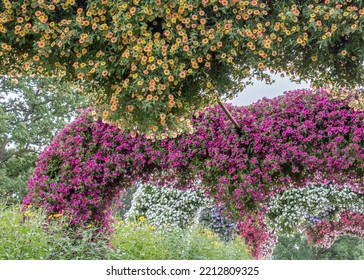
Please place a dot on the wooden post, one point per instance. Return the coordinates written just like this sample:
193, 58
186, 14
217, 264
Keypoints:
226, 111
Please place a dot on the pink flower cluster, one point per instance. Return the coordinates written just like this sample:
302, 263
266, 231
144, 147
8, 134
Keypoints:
260, 239
301, 137
325, 233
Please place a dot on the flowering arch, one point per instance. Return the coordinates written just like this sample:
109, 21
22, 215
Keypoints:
302, 137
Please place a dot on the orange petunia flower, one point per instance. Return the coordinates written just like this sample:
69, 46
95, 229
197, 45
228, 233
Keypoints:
113, 107
171, 103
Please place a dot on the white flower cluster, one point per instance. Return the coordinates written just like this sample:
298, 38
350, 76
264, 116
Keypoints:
166, 206
302, 207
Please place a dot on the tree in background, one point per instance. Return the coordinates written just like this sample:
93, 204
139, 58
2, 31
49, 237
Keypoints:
32, 111
151, 64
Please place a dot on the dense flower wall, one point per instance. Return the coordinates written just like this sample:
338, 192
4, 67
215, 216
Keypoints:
305, 207
325, 232
165, 206
299, 138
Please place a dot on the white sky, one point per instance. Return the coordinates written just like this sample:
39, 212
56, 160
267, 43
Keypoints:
259, 90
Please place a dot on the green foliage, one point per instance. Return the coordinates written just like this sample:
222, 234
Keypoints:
361, 250
32, 111
25, 235
20, 240
345, 248
14, 175
296, 247
89, 245
141, 241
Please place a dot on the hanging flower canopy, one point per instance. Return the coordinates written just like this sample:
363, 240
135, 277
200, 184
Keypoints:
149, 64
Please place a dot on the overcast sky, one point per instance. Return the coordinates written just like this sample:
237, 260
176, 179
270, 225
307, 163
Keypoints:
260, 90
